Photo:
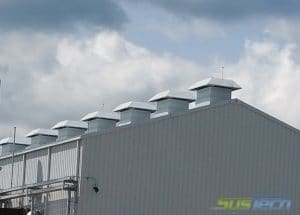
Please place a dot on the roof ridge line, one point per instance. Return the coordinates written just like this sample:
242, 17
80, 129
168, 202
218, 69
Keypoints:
266, 115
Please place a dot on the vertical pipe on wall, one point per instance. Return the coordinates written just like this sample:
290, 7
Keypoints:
24, 175
13, 159
48, 178
12, 169
78, 158
24, 170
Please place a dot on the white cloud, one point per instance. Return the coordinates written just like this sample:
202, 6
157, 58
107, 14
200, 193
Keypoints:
105, 68
270, 77
85, 73
52, 78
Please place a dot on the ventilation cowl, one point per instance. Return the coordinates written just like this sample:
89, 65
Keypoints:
171, 102
68, 129
101, 121
42, 136
133, 112
7, 145
213, 90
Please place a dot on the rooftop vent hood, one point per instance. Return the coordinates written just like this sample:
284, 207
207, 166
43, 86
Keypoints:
42, 136
132, 112
7, 145
101, 121
171, 102
213, 90
68, 129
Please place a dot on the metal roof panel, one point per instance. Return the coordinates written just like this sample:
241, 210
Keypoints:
19, 140
181, 95
42, 131
101, 115
70, 124
135, 105
215, 82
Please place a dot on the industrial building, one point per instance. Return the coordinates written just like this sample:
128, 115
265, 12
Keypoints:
191, 153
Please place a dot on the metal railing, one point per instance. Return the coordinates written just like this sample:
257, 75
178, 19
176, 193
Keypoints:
69, 183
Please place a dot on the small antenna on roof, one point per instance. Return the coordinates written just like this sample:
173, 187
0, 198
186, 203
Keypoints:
222, 70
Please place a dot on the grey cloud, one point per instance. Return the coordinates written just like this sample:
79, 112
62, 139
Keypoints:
81, 74
62, 77
230, 10
60, 14
20, 63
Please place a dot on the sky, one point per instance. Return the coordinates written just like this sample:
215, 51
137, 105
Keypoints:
62, 59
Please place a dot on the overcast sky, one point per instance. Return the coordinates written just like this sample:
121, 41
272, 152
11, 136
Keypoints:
62, 59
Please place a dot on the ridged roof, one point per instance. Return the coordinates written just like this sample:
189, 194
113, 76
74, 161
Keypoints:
181, 95
42, 131
101, 115
215, 82
135, 105
19, 141
70, 124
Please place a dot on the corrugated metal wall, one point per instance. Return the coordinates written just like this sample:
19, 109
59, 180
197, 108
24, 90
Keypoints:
63, 160
5, 173
57, 203
36, 166
63, 164
182, 164
18, 171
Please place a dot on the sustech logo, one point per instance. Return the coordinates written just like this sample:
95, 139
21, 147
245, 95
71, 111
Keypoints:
253, 203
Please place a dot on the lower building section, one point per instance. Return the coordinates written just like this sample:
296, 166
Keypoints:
56, 197
42, 179
47, 204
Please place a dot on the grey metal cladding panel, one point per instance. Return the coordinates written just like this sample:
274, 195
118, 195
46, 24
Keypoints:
5, 173
56, 204
63, 161
183, 164
18, 171
36, 166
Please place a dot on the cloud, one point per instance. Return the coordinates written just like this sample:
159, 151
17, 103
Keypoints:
58, 78
21, 63
56, 15
270, 76
60, 15
230, 10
